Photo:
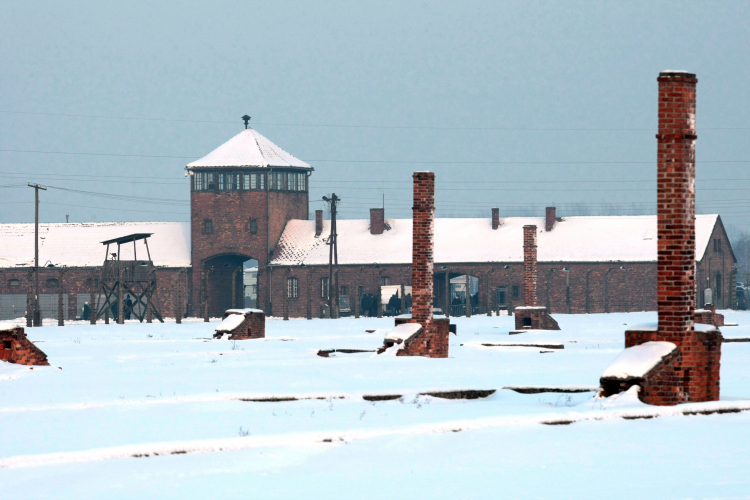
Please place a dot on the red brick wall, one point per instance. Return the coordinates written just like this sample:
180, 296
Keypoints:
627, 288
529, 265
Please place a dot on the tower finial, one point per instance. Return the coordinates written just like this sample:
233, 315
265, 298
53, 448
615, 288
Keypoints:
247, 120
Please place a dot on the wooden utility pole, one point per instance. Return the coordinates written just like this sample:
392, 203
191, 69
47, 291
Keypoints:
333, 260
37, 314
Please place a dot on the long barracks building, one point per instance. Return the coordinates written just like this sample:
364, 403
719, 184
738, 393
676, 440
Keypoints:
249, 201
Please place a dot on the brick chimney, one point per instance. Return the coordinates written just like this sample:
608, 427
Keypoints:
423, 227
549, 222
495, 218
318, 222
529, 265
676, 205
377, 220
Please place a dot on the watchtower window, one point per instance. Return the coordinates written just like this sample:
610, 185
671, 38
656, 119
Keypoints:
208, 226
253, 226
292, 288
210, 181
14, 282
53, 283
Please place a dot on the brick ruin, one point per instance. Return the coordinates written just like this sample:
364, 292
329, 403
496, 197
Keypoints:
432, 340
244, 324
698, 367
17, 348
531, 316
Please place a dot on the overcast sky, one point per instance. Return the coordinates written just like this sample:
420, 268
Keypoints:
512, 104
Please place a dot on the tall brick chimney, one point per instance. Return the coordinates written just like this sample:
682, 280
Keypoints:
318, 222
423, 227
495, 218
529, 265
377, 220
549, 221
675, 195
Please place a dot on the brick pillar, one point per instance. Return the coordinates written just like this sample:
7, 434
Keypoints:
529, 265
495, 218
676, 205
422, 248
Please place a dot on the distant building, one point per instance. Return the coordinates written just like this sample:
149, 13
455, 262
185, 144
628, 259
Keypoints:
250, 207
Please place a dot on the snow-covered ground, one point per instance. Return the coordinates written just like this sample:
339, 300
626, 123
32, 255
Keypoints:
164, 411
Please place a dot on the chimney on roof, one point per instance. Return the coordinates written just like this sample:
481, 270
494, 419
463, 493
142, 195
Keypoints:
550, 218
529, 265
495, 218
318, 222
377, 220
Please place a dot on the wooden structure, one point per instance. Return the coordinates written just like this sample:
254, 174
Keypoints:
132, 277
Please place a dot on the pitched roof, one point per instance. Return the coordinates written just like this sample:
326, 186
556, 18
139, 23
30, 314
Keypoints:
574, 239
248, 149
79, 245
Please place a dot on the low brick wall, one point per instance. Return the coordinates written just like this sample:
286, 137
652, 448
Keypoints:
432, 343
536, 318
16, 348
709, 316
699, 364
253, 326
662, 386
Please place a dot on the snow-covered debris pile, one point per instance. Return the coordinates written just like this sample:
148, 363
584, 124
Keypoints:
403, 334
654, 366
638, 361
241, 324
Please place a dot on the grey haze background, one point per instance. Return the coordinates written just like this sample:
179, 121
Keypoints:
395, 82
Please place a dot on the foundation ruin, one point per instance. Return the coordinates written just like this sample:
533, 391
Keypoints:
18, 349
531, 316
693, 374
242, 324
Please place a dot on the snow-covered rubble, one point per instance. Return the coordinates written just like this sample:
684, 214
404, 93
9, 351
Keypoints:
637, 361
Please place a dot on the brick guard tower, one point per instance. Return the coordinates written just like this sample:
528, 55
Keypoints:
694, 374
432, 339
531, 316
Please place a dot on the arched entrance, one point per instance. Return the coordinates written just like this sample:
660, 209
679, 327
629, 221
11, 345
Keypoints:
224, 284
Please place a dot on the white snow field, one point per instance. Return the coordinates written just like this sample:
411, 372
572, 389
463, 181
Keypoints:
164, 411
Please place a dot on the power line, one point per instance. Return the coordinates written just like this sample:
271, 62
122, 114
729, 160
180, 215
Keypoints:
402, 162
364, 126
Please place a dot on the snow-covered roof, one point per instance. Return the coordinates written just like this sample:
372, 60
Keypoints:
574, 239
79, 244
637, 361
248, 149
